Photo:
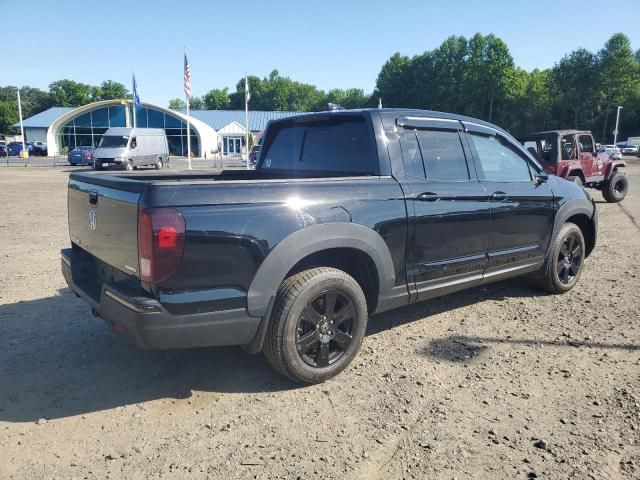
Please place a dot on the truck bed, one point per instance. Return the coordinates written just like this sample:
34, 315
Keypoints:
136, 181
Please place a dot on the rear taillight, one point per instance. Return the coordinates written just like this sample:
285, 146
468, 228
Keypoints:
161, 234
550, 168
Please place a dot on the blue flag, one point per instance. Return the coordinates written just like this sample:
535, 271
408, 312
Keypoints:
136, 98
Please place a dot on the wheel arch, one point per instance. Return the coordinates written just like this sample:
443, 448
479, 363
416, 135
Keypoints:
576, 172
583, 213
309, 245
613, 168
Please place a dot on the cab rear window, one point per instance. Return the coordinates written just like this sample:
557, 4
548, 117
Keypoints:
340, 144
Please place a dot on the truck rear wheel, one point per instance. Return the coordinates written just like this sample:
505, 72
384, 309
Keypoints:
616, 188
317, 326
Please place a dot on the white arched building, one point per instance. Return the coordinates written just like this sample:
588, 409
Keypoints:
211, 130
85, 126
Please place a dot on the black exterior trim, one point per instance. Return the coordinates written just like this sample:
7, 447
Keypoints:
143, 321
311, 240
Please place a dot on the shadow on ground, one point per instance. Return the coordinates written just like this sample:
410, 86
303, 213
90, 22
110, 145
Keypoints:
460, 348
56, 360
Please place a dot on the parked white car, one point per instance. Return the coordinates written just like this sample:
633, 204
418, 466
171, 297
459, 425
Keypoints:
613, 152
630, 150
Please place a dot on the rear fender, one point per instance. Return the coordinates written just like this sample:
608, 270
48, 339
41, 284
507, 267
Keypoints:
313, 239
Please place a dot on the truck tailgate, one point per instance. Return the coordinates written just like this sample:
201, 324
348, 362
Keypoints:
104, 222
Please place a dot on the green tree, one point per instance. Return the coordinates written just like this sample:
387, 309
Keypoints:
349, 98
573, 83
111, 90
618, 77
68, 93
393, 82
8, 115
196, 103
177, 104
216, 99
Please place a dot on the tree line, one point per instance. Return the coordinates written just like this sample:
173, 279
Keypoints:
62, 93
275, 92
476, 77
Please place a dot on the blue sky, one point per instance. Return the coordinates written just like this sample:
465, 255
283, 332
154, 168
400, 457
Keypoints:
329, 43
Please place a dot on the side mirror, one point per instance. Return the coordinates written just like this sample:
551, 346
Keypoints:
540, 178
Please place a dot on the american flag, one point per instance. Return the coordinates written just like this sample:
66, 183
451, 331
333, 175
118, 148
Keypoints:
187, 77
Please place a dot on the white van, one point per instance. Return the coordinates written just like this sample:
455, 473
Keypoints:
132, 148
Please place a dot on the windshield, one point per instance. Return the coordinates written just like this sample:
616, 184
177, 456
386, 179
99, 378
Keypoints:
110, 141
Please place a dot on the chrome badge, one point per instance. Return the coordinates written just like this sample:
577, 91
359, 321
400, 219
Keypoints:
93, 221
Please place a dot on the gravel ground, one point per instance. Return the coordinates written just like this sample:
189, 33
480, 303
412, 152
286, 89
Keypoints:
496, 382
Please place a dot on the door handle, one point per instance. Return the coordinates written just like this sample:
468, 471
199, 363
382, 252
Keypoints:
428, 197
498, 195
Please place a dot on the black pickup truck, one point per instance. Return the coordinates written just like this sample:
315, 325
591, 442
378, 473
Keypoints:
348, 213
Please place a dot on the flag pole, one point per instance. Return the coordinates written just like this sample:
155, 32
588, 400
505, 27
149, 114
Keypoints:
24, 148
134, 98
188, 134
246, 115
188, 119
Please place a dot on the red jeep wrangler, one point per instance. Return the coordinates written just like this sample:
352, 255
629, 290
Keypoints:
573, 155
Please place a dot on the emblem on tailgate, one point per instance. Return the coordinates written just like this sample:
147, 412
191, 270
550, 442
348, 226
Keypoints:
93, 221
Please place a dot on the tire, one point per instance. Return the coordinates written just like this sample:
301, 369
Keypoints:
159, 164
576, 180
73, 164
565, 262
616, 188
307, 350
128, 166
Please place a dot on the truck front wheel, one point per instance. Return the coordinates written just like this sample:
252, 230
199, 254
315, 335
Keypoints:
565, 261
615, 189
317, 326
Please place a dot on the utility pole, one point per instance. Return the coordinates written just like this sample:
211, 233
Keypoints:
24, 153
615, 132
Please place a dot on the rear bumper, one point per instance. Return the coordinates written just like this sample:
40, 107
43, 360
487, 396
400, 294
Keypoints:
143, 321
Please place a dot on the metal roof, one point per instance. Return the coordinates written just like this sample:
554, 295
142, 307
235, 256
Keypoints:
46, 118
217, 119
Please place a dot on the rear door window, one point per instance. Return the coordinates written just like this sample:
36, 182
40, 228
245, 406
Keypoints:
443, 155
340, 144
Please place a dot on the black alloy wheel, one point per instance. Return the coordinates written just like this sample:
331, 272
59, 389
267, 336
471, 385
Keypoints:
570, 258
324, 330
317, 325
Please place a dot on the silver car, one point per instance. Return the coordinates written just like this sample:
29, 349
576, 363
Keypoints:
611, 150
131, 148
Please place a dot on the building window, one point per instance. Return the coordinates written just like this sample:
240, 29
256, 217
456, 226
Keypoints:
88, 128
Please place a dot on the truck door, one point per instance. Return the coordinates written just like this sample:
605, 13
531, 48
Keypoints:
522, 209
449, 210
591, 165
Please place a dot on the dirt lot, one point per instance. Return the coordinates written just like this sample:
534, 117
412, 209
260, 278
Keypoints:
496, 382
